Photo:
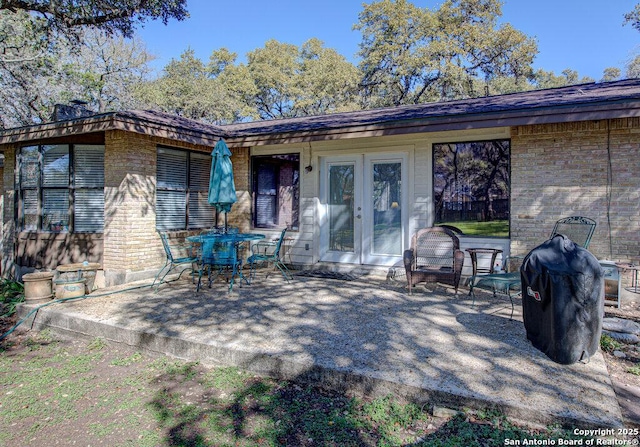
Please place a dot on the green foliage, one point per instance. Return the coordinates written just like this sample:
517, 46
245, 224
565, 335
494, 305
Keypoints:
37, 73
213, 93
633, 17
412, 55
608, 344
12, 293
111, 16
292, 81
97, 344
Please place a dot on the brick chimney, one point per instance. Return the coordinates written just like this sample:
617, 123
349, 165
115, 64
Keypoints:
76, 109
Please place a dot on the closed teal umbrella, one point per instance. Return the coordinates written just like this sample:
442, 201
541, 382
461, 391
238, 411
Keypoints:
222, 190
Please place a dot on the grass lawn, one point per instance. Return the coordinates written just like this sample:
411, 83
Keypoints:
498, 228
95, 393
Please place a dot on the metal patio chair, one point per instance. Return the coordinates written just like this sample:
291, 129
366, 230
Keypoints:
434, 256
218, 257
177, 255
270, 253
577, 228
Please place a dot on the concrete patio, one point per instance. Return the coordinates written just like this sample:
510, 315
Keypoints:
364, 336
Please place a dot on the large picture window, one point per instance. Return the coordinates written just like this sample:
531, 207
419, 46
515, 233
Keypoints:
276, 191
182, 190
61, 188
472, 184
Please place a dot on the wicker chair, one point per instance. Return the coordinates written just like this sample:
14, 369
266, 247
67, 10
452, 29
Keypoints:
434, 256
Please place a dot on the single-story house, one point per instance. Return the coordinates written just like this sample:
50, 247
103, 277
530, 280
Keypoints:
351, 187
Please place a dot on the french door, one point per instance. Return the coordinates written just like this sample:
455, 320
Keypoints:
364, 198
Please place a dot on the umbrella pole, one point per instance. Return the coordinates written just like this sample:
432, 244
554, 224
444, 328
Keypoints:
225, 222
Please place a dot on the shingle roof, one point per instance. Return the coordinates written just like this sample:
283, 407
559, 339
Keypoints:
584, 101
148, 122
573, 103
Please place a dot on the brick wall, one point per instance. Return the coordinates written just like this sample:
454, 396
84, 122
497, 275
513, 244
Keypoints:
8, 225
132, 249
240, 215
585, 168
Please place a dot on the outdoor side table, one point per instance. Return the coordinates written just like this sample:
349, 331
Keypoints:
634, 272
480, 269
504, 283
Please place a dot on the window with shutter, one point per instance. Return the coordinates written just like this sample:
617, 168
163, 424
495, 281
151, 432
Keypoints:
49, 191
89, 188
201, 214
182, 190
28, 181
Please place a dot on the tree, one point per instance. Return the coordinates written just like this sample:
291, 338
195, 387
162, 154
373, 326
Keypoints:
633, 68
548, 79
633, 17
611, 74
292, 81
107, 71
42, 53
29, 70
111, 16
102, 70
412, 55
210, 93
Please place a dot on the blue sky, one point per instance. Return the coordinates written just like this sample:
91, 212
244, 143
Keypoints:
584, 35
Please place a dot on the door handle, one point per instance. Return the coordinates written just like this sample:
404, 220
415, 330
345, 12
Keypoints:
359, 216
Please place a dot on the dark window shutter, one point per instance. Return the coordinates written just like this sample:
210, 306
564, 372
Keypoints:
89, 193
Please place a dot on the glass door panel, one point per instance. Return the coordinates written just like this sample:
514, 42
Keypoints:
384, 202
341, 229
387, 211
341, 207
364, 200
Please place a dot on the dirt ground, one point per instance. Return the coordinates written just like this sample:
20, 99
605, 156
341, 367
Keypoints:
626, 383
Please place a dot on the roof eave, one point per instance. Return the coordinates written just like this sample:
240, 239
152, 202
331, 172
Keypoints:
484, 120
105, 122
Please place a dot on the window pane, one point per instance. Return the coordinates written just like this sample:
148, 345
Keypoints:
200, 171
201, 214
89, 210
472, 186
172, 169
171, 210
29, 167
276, 186
266, 199
30, 209
55, 171
55, 210
88, 166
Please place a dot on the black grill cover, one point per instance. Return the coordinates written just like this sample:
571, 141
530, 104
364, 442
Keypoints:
563, 300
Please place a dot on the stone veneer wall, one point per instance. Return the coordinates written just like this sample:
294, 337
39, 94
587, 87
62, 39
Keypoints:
588, 169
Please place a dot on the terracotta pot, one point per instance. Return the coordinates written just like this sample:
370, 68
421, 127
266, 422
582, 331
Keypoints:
37, 286
69, 288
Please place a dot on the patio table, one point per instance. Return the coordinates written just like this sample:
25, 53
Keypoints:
226, 238
500, 283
